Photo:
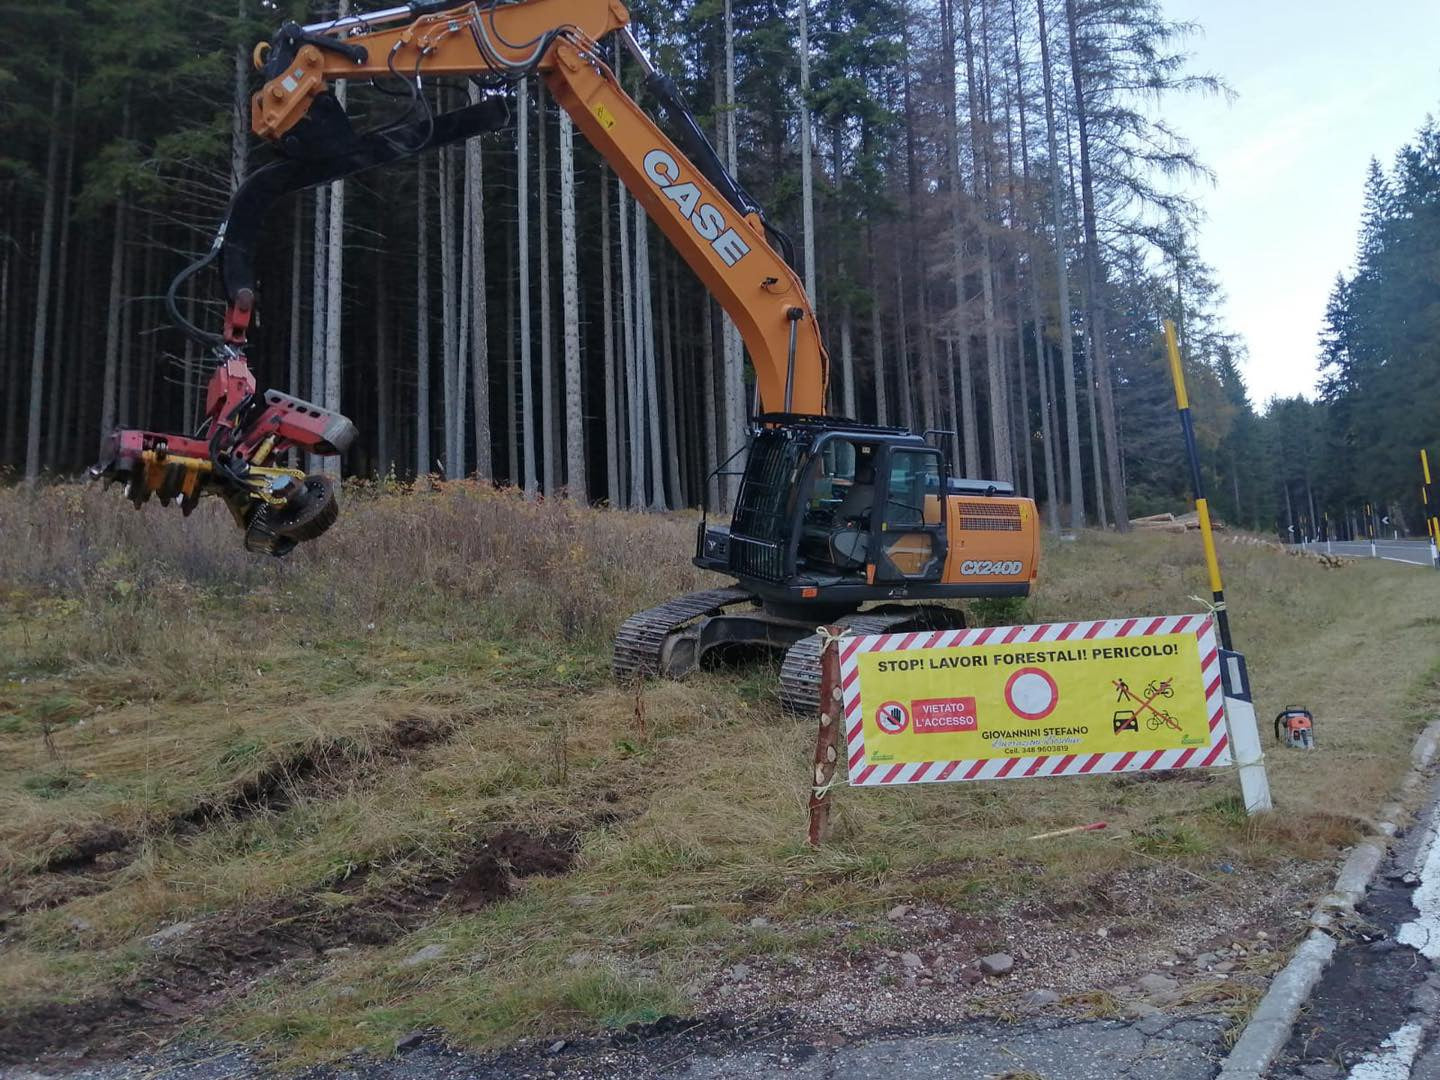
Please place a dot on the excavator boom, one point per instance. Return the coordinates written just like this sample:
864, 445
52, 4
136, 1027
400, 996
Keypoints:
714, 226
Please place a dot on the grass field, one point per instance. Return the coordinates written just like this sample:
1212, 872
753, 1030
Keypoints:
406, 736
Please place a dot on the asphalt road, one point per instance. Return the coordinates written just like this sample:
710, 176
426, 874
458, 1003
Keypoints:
1160, 1047
1407, 551
1376, 1012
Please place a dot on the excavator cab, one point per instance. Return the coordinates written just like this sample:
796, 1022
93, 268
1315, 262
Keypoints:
871, 511
831, 514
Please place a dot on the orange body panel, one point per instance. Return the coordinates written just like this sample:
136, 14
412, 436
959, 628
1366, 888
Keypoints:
988, 537
728, 251
910, 552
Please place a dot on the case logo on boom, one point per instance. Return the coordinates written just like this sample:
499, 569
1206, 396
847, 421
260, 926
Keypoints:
707, 219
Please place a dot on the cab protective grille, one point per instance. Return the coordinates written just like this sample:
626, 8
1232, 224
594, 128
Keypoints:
760, 529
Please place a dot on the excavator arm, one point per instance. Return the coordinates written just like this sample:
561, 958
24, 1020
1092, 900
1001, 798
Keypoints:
706, 214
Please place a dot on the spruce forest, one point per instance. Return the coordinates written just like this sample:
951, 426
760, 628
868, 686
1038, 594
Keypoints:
985, 201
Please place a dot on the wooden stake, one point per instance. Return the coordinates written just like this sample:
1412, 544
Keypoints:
828, 737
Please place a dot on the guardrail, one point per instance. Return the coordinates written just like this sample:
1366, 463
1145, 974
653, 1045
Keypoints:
1414, 552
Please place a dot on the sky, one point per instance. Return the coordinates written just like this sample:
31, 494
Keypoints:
1323, 86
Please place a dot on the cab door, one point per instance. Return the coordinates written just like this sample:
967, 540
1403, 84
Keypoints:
908, 527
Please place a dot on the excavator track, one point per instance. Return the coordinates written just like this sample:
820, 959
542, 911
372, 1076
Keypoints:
640, 641
800, 671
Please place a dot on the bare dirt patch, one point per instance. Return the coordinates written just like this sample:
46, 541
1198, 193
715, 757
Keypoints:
199, 967
310, 771
80, 861
85, 847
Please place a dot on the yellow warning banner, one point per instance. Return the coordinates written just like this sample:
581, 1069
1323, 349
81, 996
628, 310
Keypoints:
1099, 696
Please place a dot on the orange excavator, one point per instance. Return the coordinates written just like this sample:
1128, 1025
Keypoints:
830, 515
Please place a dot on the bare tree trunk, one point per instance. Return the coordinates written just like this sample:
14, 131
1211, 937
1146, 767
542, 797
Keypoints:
1091, 396
1042, 381
622, 382
145, 384
670, 404
79, 398
294, 349
527, 378
969, 431
877, 336
734, 356
42, 290
465, 304
334, 286
334, 294
570, 292
109, 412
383, 460
62, 377
320, 274
422, 313
1062, 277
9, 440
651, 389
1061, 472
479, 306
929, 364
240, 109
1002, 466
903, 377
807, 178
125, 404
847, 364
633, 364
512, 361
607, 304
1095, 276
449, 319
707, 409
956, 463
549, 454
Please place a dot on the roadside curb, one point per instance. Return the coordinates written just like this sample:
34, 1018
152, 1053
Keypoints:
1270, 1025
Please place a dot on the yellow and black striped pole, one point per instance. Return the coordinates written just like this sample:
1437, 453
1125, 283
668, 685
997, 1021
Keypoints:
1197, 482
1432, 511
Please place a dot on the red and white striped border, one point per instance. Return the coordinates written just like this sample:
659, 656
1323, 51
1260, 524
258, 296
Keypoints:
1011, 768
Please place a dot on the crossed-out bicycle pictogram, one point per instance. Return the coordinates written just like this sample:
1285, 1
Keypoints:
1158, 717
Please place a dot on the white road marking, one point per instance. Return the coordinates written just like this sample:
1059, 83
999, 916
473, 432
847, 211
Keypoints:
1395, 1056
1423, 931
1412, 562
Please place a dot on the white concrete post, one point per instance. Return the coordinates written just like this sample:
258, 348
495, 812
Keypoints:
1244, 734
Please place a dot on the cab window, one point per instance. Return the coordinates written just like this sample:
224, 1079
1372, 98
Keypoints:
914, 497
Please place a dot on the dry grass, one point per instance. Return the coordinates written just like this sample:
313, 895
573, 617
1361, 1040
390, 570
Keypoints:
149, 668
